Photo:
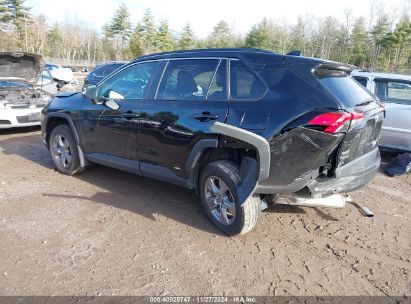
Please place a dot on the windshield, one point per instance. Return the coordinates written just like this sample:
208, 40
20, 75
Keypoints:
343, 87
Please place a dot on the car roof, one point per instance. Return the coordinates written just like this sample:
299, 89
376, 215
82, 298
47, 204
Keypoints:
221, 52
381, 75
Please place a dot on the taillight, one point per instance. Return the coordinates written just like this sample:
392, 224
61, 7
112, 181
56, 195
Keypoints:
334, 122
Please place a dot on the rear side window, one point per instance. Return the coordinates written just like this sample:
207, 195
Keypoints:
218, 87
343, 87
393, 91
244, 83
187, 79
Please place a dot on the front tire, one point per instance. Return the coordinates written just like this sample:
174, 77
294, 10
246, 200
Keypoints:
218, 189
63, 150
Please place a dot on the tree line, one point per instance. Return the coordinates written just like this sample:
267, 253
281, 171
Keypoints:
379, 41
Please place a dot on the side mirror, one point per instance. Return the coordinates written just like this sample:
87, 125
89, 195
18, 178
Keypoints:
90, 91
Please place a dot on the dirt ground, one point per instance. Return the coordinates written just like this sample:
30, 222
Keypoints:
107, 232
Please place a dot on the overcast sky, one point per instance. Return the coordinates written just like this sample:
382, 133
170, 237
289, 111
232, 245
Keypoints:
203, 15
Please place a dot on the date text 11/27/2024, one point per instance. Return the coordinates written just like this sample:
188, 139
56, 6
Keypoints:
202, 299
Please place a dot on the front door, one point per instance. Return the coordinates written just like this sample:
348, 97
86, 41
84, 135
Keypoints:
191, 97
110, 131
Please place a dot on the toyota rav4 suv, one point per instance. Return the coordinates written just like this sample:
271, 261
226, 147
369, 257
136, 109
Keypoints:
235, 125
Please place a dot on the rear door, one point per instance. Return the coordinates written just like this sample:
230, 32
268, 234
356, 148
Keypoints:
191, 97
396, 129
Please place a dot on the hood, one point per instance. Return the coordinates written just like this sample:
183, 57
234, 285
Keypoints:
20, 65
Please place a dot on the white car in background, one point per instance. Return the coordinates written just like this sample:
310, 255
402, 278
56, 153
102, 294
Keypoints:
21, 98
394, 91
62, 76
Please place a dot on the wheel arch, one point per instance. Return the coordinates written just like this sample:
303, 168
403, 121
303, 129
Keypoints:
52, 120
253, 163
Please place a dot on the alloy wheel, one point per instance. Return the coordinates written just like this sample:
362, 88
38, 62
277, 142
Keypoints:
220, 200
62, 151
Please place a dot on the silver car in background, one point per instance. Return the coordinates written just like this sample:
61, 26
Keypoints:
395, 92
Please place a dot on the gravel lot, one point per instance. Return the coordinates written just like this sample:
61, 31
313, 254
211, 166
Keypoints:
107, 232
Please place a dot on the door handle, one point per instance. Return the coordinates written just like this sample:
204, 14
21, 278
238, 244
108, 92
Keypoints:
206, 116
129, 115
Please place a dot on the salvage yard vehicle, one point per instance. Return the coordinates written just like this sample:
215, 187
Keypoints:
21, 96
394, 91
47, 83
64, 77
239, 126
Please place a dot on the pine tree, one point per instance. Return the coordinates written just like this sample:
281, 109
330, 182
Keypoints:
53, 40
260, 36
165, 40
379, 30
119, 26
148, 33
144, 39
187, 38
136, 46
18, 15
358, 43
4, 12
221, 36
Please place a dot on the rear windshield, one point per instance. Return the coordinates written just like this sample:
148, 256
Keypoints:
343, 87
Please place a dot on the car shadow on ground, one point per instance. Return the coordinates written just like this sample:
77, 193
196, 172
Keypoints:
386, 158
278, 208
143, 196
115, 188
130, 192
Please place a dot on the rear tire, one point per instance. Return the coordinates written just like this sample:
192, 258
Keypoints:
63, 150
218, 189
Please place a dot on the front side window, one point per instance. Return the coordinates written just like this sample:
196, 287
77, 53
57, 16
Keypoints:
187, 79
130, 83
393, 91
244, 83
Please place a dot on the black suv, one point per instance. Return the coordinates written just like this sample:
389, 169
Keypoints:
233, 124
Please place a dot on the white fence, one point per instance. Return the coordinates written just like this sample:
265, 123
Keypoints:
68, 62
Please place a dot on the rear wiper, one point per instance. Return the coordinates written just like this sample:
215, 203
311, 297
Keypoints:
364, 103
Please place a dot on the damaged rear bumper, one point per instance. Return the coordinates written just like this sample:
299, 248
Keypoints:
349, 177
